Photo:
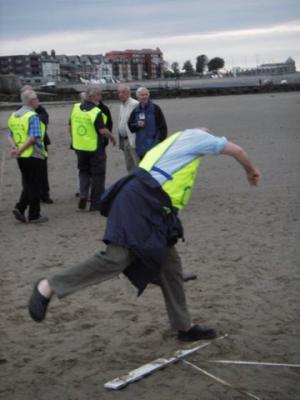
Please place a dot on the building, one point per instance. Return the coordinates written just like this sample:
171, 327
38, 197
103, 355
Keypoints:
130, 65
123, 65
27, 67
287, 67
50, 67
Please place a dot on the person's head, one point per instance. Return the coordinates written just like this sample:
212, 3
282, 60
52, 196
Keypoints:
29, 98
143, 95
123, 93
82, 97
93, 93
25, 87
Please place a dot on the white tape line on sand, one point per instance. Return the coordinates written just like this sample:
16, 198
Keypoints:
219, 380
268, 364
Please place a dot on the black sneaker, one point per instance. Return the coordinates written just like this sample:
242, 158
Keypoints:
39, 220
47, 200
94, 208
82, 203
18, 215
197, 332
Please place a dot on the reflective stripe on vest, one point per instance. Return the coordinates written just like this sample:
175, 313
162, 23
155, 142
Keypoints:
179, 186
84, 134
19, 127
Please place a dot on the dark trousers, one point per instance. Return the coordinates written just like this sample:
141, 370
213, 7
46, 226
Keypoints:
104, 266
31, 181
92, 169
44, 180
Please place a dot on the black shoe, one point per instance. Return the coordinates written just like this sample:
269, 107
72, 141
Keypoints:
94, 208
82, 203
18, 215
39, 220
187, 276
47, 200
197, 332
38, 304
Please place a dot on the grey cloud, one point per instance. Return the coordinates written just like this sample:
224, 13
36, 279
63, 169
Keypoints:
147, 17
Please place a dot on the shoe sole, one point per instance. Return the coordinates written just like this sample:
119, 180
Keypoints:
19, 216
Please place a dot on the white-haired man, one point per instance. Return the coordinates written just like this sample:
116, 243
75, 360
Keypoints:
44, 118
26, 137
147, 121
126, 137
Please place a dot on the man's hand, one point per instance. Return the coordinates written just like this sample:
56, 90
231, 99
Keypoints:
235, 151
106, 133
253, 176
14, 152
112, 139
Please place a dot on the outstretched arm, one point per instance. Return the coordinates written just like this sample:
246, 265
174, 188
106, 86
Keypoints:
235, 151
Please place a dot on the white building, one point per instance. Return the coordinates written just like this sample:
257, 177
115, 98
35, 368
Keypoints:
51, 70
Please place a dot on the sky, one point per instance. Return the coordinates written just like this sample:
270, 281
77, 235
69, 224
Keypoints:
244, 33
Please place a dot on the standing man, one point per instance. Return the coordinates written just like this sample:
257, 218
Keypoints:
143, 228
26, 138
126, 137
44, 118
89, 133
104, 108
148, 123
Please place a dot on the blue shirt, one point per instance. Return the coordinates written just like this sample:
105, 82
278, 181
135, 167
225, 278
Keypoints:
191, 143
34, 127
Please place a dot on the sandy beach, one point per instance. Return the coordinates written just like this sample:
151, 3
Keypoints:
242, 242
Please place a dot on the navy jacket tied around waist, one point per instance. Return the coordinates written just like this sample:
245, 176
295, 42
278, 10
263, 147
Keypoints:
142, 219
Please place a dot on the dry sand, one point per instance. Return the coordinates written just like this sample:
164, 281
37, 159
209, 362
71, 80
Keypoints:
242, 242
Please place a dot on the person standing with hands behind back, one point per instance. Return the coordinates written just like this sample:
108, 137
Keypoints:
147, 122
26, 138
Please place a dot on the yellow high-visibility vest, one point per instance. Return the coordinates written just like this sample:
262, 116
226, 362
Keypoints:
19, 127
84, 134
178, 186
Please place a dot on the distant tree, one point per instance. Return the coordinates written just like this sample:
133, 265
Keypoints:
201, 63
175, 68
215, 64
188, 68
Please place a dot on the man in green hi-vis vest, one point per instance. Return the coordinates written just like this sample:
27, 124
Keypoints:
143, 227
89, 132
26, 135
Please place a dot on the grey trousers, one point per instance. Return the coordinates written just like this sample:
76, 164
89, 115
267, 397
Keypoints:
131, 158
102, 267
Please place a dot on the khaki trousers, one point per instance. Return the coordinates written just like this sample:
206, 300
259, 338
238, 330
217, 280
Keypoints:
102, 267
131, 158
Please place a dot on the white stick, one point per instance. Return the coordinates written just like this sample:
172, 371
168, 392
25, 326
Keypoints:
159, 363
146, 369
269, 364
219, 380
